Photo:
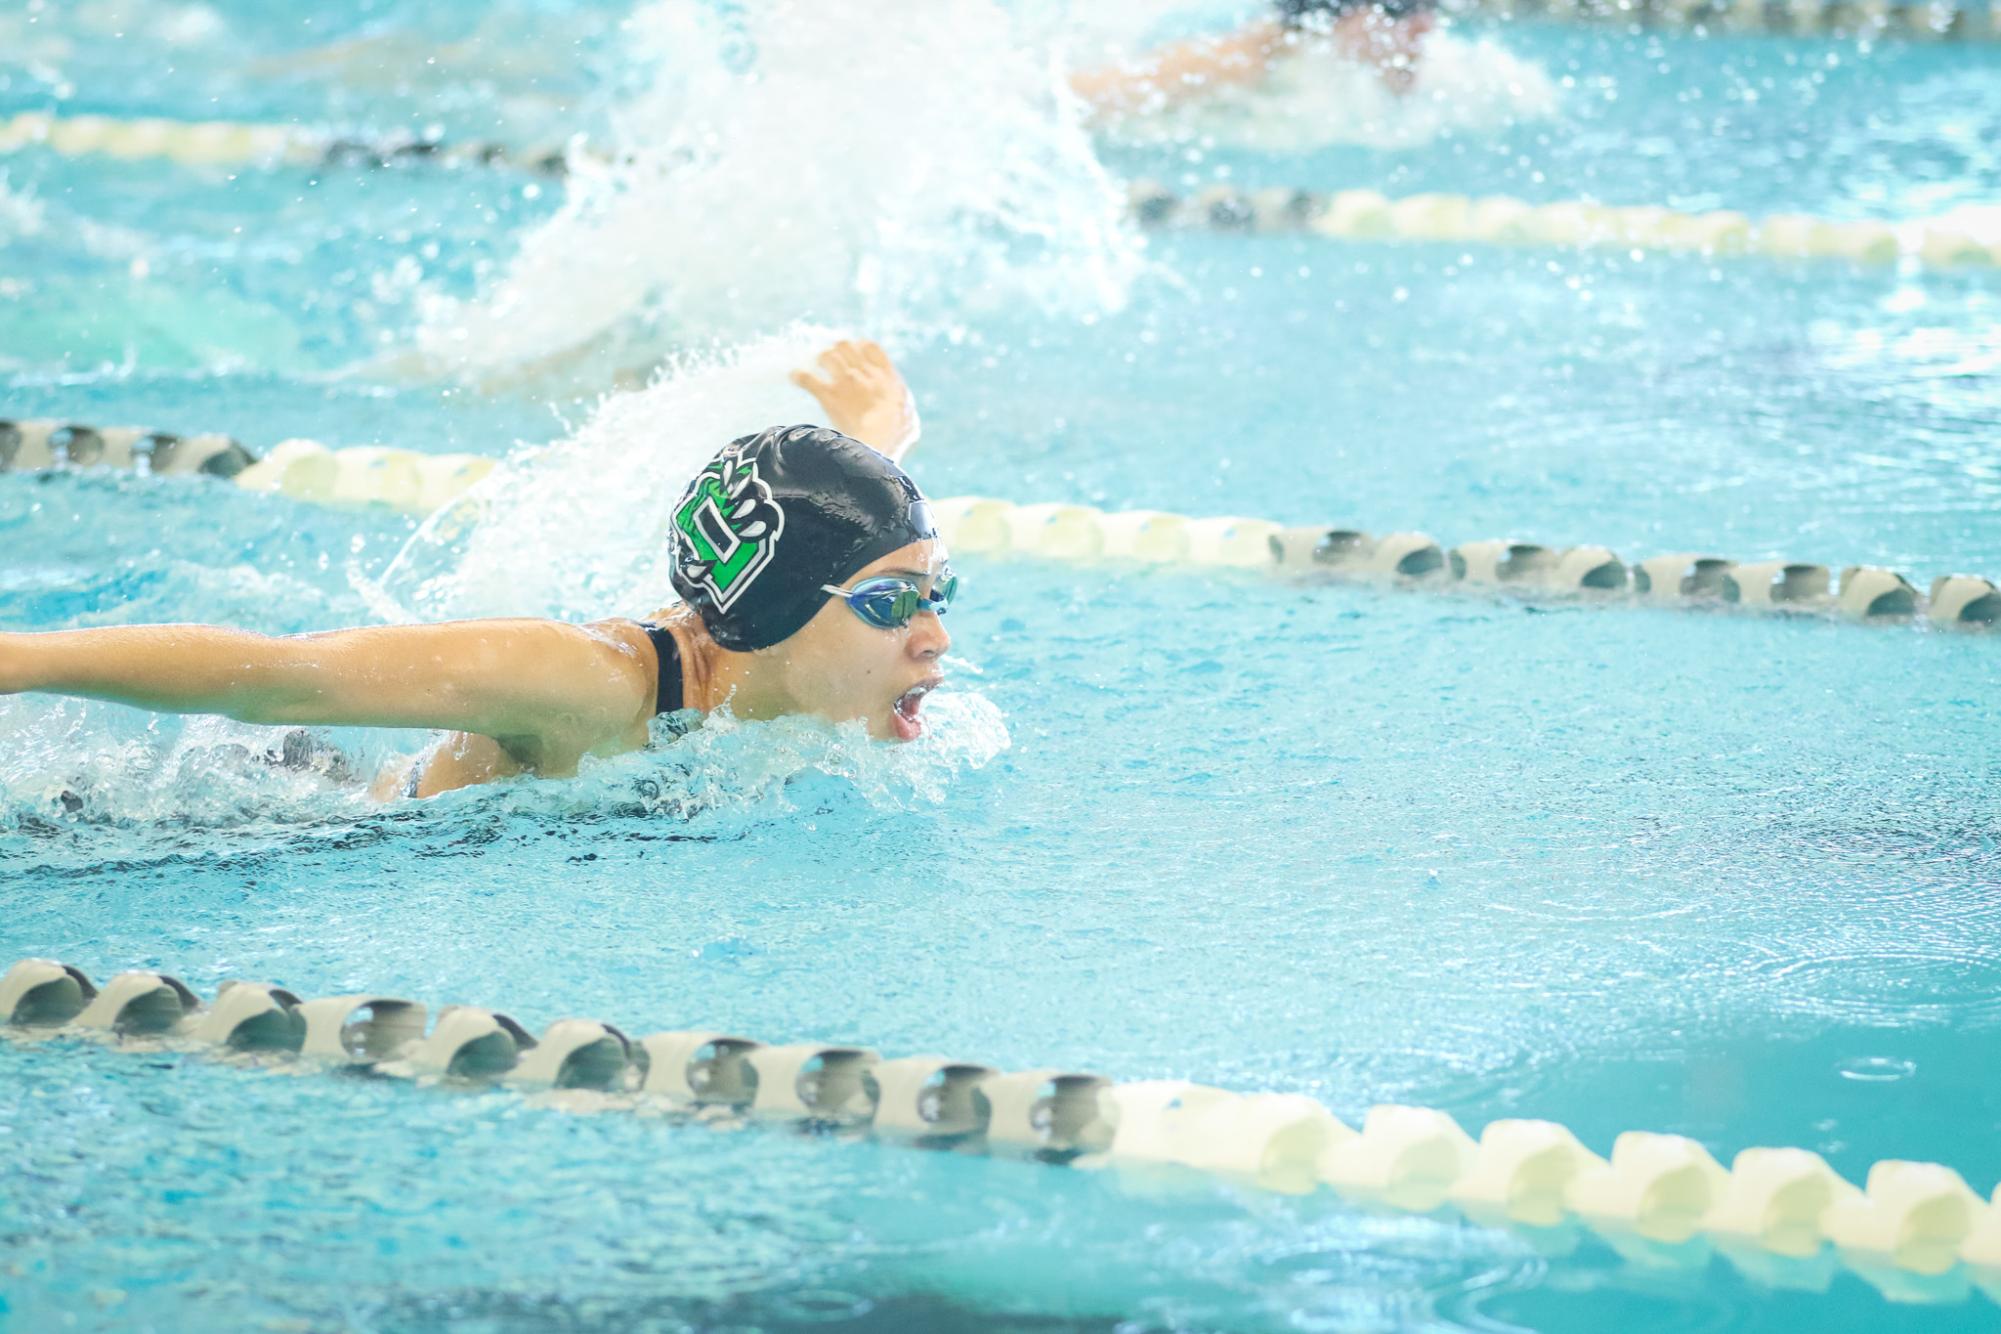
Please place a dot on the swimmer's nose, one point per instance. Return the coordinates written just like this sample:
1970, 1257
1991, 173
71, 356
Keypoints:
928, 637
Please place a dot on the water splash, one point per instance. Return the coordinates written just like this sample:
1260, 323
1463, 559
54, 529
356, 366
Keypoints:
1980, 221
21, 214
74, 774
890, 165
578, 529
727, 775
78, 766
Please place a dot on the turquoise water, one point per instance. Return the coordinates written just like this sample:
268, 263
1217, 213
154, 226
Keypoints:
1723, 877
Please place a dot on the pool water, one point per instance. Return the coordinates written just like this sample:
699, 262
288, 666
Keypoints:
1621, 868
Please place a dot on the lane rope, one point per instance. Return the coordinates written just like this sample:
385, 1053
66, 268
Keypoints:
1916, 1231
1572, 224
419, 484
1343, 214
1869, 19
360, 476
1591, 575
237, 144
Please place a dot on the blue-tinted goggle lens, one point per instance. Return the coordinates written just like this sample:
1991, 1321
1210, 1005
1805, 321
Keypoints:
889, 603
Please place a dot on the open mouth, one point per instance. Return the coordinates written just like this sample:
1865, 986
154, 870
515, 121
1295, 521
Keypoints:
904, 713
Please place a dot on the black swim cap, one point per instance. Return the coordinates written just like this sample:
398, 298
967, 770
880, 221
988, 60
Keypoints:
1297, 13
775, 516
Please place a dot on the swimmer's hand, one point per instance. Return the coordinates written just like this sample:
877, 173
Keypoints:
864, 396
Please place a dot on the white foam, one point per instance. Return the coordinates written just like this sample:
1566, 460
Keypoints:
578, 529
735, 772
875, 162
21, 214
87, 764
1980, 221
79, 764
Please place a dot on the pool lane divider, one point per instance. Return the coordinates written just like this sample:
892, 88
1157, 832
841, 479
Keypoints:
1872, 19
1587, 575
1573, 224
220, 143
361, 476
1353, 215
419, 484
1916, 1231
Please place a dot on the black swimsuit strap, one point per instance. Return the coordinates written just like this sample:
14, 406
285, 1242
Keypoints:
667, 696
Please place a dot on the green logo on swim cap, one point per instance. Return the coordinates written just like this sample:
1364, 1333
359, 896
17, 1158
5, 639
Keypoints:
729, 527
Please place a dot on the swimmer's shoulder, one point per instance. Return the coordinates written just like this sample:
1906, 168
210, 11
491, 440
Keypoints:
657, 647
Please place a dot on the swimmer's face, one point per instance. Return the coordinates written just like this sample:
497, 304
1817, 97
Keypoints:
1392, 44
840, 667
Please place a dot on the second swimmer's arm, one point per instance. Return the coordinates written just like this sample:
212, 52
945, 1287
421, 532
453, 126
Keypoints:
526, 683
1183, 70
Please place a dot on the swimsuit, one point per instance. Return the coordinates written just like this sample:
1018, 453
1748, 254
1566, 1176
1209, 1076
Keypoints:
667, 695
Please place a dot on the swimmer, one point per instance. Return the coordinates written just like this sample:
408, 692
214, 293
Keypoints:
1387, 35
811, 580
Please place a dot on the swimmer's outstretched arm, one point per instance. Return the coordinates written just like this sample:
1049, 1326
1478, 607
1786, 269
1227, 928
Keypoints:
547, 691
1184, 70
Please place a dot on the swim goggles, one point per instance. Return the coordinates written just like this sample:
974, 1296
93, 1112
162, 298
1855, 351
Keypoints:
887, 602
